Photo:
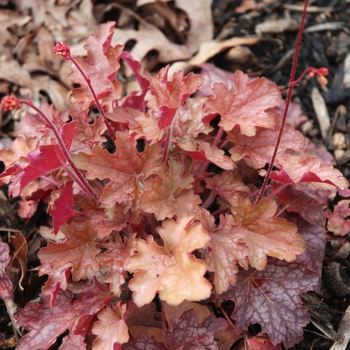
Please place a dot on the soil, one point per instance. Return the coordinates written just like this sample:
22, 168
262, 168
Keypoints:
326, 43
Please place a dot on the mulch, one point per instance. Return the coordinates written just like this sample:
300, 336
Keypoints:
326, 43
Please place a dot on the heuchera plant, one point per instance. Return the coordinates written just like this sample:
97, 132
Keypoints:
162, 227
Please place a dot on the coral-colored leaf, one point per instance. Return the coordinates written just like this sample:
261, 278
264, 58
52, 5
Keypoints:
169, 194
18, 150
171, 270
272, 299
261, 343
73, 342
5, 282
266, 235
188, 123
63, 206
257, 151
100, 66
305, 168
125, 169
45, 324
187, 333
201, 150
226, 248
248, 105
115, 258
338, 221
167, 96
110, 327
227, 187
77, 251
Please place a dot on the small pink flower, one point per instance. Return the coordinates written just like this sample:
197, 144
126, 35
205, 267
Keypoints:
10, 103
62, 49
320, 74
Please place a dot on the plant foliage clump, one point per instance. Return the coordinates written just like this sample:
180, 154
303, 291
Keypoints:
166, 217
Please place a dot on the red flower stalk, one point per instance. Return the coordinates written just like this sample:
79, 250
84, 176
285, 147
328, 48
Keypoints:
288, 99
63, 50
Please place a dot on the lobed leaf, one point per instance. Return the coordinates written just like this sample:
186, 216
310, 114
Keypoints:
186, 332
170, 193
272, 299
248, 105
77, 253
171, 270
45, 324
110, 328
267, 235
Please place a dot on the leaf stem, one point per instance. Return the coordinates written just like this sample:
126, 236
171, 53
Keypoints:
167, 142
74, 172
288, 99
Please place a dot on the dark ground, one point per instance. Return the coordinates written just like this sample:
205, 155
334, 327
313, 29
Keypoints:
326, 43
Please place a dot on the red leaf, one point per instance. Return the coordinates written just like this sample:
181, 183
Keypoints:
63, 206
91, 300
185, 332
136, 101
5, 282
46, 160
45, 324
302, 203
272, 299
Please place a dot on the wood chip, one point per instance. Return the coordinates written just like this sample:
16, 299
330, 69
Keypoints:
321, 111
343, 334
